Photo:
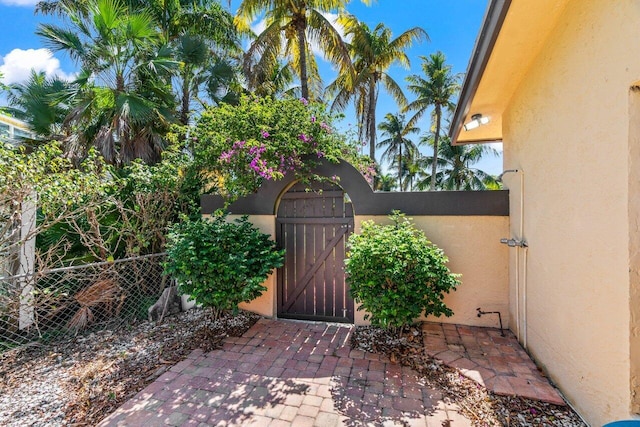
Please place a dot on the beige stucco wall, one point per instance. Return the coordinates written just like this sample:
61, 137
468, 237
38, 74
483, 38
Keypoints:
473, 246
265, 305
567, 128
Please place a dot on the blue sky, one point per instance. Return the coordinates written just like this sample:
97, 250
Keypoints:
452, 26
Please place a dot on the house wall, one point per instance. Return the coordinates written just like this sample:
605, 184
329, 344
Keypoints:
472, 244
567, 130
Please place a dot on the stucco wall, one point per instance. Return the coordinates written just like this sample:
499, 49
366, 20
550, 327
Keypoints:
567, 129
472, 245
265, 305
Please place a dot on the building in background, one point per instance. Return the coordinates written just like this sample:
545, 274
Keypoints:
13, 130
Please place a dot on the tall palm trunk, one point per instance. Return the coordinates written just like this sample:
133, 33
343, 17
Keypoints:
371, 115
302, 45
186, 98
436, 139
400, 166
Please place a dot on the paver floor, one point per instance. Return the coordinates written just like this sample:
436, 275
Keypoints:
283, 373
495, 361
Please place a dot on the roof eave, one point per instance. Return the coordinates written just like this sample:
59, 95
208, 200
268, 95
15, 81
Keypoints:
491, 25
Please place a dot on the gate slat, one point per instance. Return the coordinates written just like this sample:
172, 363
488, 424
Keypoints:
291, 270
300, 270
309, 260
341, 297
319, 282
329, 278
338, 207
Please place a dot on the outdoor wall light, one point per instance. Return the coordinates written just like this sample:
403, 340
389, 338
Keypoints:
476, 120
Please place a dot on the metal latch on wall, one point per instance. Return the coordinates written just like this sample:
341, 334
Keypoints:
512, 243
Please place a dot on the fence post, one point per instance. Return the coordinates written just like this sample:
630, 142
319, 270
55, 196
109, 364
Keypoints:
27, 261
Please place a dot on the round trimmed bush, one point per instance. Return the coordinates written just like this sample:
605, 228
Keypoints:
221, 263
397, 274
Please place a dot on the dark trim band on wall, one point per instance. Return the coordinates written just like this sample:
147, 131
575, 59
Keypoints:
367, 202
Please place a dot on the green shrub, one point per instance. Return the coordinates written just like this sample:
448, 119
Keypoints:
396, 273
221, 263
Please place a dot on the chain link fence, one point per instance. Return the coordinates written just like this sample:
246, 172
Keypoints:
59, 303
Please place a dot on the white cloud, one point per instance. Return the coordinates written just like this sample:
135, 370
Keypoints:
17, 65
19, 2
496, 146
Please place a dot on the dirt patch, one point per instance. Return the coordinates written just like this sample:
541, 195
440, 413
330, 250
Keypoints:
473, 400
81, 381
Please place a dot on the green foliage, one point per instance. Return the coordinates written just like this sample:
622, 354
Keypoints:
397, 138
237, 147
396, 273
291, 29
36, 101
373, 53
93, 211
121, 101
221, 263
456, 169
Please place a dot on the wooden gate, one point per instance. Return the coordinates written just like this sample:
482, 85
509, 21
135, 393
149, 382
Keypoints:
313, 227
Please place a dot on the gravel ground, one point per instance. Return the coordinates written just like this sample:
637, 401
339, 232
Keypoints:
81, 381
475, 402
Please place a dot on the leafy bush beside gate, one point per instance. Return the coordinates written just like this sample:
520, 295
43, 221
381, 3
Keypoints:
221, 263
396, 273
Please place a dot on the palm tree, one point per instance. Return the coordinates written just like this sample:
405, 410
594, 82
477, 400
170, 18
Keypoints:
221, 81
397, 131
200, 33
291, 26
36, 102
455, 163
414, 167
122, 99
437, 88
385, 182
374, 52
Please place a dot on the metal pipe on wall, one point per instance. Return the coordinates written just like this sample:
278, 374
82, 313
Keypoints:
521, 285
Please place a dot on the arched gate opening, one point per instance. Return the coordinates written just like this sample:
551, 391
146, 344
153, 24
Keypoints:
313, 225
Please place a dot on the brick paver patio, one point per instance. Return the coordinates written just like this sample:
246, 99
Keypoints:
283, 373
497, 362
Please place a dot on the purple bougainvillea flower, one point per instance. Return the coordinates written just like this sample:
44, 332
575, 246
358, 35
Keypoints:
304, 101
264, 134
304, 137
313, 119
325, 126
256, 151
226, 156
